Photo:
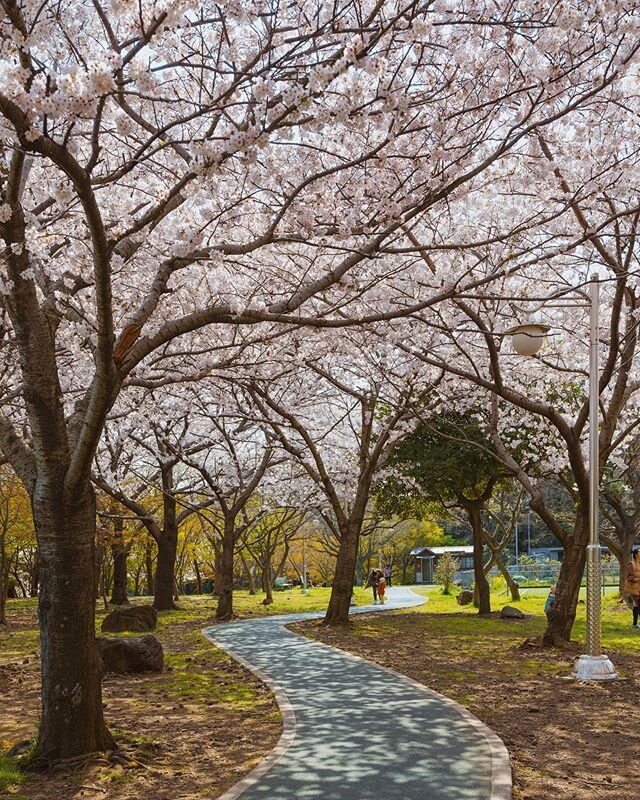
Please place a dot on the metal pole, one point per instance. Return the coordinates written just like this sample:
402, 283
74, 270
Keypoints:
594, 580
594, 666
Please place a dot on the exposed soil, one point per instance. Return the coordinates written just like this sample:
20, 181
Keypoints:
566, 740
188, 733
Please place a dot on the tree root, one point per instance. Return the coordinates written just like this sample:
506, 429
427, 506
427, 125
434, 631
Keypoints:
99, 759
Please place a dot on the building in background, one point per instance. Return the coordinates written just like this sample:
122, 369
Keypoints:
426, 560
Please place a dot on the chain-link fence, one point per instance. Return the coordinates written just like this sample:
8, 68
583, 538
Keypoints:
541, 573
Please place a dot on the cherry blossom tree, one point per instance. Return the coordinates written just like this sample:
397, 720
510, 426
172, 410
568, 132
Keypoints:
231, 456
168, 166
339, 418
547, 396
140, 470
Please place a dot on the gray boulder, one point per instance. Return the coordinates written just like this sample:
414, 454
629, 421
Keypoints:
509, 612
465, 597
130, 618
137, 654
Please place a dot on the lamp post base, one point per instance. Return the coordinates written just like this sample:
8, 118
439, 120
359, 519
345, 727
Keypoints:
594, 668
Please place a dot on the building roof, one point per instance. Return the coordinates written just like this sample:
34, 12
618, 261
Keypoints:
459, 549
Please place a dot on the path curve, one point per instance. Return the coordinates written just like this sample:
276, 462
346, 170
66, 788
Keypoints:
354, 730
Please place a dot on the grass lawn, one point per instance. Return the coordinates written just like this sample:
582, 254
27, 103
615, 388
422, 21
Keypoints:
565, 739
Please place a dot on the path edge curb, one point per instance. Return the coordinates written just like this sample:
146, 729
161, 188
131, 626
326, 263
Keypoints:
287, 737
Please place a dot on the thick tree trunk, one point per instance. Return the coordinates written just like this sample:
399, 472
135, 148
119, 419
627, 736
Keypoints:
224, 573
119, 551
71, 721
164, 582
560, 624
623, 561
474, 513
340, 600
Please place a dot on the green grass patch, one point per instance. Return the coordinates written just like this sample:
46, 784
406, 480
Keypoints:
617, 633
10, 774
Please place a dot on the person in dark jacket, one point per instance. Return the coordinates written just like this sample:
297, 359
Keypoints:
373, 580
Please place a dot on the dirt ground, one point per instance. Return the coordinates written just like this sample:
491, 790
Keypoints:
566, 740
191, 731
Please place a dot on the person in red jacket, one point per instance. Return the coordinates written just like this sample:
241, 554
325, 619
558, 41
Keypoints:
382, 587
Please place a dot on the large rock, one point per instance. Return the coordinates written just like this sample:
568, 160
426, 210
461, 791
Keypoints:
509, 612
465, 597
130, 618
137, 654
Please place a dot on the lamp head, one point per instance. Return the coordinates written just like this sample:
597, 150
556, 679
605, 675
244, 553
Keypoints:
527, 339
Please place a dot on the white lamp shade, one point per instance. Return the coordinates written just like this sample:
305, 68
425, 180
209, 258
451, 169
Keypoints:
527, 339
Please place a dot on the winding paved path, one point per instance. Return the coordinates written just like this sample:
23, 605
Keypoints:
357, 731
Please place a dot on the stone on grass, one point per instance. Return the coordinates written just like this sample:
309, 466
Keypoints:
509, 612
465, 597
130, 618
137, 654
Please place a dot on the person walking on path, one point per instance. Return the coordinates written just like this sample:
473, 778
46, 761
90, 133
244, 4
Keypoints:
632, 584
373, 580
382, 587
387, 574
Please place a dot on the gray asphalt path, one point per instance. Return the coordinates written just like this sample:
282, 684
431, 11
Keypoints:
355, 731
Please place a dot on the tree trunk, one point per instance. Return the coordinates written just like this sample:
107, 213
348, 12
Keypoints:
196, 568
248, 568
224, 574
474, 512
513, 586
4, 580
266, 584
34, 577
340, 600
119, 553
623, 561
148, 565
558, 631
71, 720
164, 583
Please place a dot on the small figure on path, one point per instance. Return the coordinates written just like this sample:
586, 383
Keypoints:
372, 581
550, 603
632, 584
308, 579
387, 574
382, 587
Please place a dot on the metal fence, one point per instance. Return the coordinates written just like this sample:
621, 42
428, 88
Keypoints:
544, 573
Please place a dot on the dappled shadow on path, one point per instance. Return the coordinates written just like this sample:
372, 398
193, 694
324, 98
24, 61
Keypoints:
361, 731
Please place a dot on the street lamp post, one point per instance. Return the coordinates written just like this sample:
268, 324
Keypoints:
527, 340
